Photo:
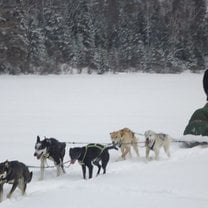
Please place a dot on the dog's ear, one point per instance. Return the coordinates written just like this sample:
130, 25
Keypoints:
47, 140
6, 163
38, 139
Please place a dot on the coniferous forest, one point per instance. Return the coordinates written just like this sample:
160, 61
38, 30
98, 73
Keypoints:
65, 36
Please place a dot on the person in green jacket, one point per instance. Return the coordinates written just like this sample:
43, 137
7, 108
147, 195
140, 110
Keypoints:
198, 123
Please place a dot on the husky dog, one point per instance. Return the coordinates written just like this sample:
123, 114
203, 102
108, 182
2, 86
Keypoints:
92, 153
154, 141
16, 173
125, 138
52, 149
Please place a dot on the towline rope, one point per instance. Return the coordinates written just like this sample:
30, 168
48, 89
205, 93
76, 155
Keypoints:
188, 143
49, 166
101, 143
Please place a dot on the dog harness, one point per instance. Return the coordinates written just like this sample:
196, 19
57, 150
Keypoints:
153, 145
101, 147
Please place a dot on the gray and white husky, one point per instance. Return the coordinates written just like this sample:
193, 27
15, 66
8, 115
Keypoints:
15, 173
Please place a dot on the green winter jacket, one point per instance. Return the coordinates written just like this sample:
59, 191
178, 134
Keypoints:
198, 123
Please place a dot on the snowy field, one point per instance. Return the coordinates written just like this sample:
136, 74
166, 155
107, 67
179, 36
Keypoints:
83, 108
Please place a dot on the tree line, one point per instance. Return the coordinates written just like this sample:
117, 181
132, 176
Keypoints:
65, 36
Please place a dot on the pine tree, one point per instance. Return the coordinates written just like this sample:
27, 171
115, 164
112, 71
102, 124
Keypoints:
46, 36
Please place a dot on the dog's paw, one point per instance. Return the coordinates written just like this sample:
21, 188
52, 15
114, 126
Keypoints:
119, 159
8, 196
149, 159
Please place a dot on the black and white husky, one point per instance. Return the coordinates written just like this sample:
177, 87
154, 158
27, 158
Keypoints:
92, 154
52, 149
16, 173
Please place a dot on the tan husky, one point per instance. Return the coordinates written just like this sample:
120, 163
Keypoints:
125, 138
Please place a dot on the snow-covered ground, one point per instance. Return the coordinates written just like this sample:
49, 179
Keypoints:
83, 108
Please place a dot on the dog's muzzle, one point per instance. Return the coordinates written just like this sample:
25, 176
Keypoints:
147, 141
3, 175
116, 144
38, 155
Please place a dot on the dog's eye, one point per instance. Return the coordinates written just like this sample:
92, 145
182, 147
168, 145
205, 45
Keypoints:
38, 146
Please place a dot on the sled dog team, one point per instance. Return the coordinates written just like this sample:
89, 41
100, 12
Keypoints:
18, 174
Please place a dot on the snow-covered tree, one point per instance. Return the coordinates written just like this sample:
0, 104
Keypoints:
102, 35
